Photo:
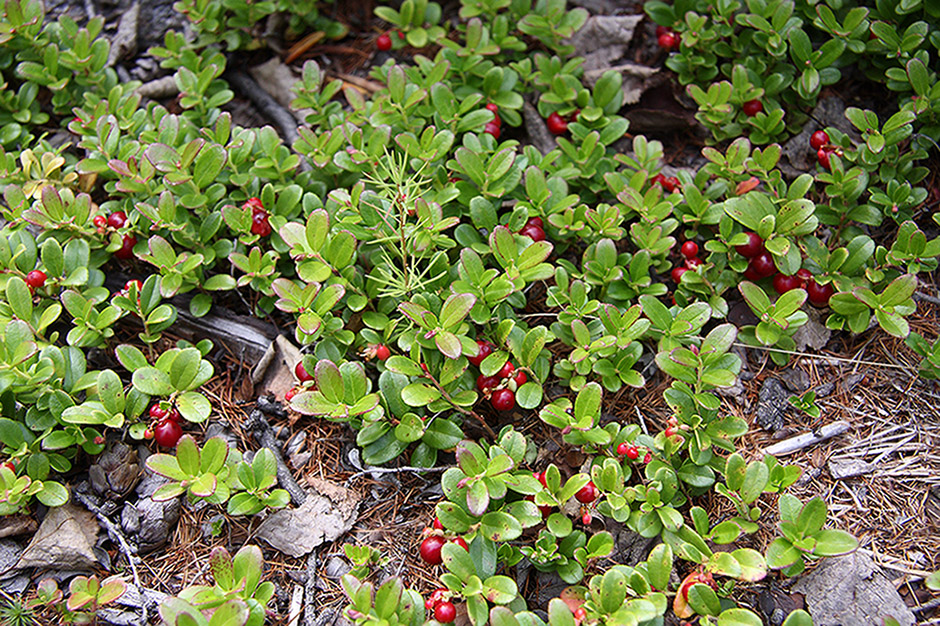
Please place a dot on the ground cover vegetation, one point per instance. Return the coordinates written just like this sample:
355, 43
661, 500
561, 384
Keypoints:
403, 238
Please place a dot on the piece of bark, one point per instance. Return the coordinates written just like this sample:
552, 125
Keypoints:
65, 540
772, 405
848, 468
794, 444
12, 525
124, 43
325, 515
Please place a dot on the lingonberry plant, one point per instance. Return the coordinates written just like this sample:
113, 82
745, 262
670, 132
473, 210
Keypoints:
406, 238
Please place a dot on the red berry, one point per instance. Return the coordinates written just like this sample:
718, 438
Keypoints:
753, 247
822, 156
460, 542
157, 413
492, 128
431, 550
436, 525
752, 107
623, 448
36, 279
804, 275
445, 612
259, 224
587, 494
429, 604
763, 265
117, 219
126, 250
546, 511
536, 222
383, 42
818, 139
660, 180
254, 204
484, 349
533, 232
677, 273
400, 34
669, 432
693, 262
301, 373
689, 249
751, 274
784, 283
382, 352
9, 465
137, 283
671, 184
173, 415
99, 220
648, 458
290, 394
668, 41
167, 433
493, 107
632, 453
520, 378
540, 476
819, 294
556, 124
503, 400
662, 30
148, 433
99, 440
580, 613
506, 370
586, 519
485, 383
574, 115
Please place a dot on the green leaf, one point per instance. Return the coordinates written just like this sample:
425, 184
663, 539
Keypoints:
187, 454
739, 617
152, 382
329, 381
832, 542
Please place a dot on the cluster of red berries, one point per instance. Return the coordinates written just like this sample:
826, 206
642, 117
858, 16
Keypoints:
534, 229
430, 549
761, 265
502, 397
117, 220
668, 183
632, 452
166, 429
443, 609
494, 128
586, 495
819, 141
689, 250
667, 38
259, 217
303, 376
558, 125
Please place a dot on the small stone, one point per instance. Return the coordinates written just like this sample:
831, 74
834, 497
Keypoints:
772, 405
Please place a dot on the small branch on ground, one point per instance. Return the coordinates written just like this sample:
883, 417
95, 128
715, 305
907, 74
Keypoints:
263, 433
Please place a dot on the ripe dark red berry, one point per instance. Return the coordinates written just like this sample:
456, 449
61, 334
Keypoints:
536, 222
484, 349
818, 139
632, 453
117, 219
36, 279
587, 494
556, 124
533, 232
804, 275
126, 250
752, 107
668, 41
763, 265
503, 400
586, 519
493, 129
134, 282
662, 29
430, 550
784, 283
819, 294
485, 383
659, 179
157, 413
9, 465
670, 183
580, 613
301, 373
648, 458
254, 204
822, 156
506, 370
677, 273
693, 262
259, 223
753, 247
100, 221
519, 378
540, 476
669, 432
436, 524
493, 107
167, 433
460, 542
689, 249
290, 394
445, 612
383, 42
623, 448
382, 352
